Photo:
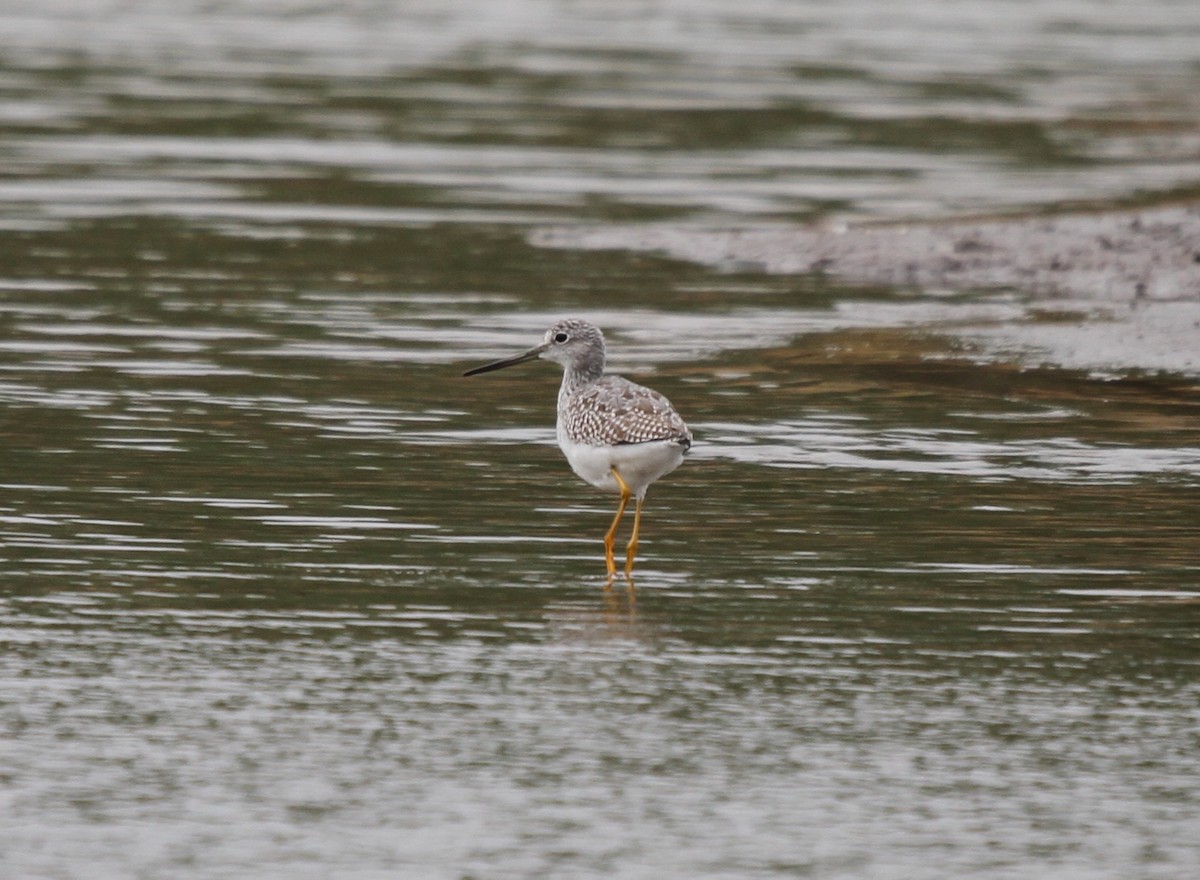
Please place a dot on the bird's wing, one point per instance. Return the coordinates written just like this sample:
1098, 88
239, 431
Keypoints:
614, 410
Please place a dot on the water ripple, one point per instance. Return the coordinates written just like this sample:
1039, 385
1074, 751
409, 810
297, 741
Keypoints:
833, 444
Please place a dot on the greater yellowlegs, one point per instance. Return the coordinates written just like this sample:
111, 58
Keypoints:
616, 434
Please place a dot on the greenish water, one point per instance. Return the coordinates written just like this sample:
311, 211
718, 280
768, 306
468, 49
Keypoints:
284, 595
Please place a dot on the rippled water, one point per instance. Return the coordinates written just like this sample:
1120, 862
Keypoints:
284, 595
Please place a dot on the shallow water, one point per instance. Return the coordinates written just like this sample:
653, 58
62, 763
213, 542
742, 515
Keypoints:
284, 595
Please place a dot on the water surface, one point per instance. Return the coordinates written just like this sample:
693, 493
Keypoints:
284, 595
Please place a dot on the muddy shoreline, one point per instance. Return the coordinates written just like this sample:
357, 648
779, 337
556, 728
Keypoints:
1126, 282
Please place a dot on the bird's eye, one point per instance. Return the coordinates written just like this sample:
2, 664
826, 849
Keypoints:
561, 337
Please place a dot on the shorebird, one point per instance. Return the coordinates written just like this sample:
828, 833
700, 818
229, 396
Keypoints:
616, 434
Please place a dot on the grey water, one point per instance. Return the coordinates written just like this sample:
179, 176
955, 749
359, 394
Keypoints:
282, 595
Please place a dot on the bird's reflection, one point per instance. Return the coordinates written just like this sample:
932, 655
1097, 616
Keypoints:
621, 599
614, 617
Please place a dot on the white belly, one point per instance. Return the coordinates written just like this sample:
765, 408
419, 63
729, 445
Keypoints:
640, 464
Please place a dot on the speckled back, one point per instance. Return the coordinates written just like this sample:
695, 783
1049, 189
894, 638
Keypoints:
612, 410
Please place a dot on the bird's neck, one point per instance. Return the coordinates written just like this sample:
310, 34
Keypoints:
575, 379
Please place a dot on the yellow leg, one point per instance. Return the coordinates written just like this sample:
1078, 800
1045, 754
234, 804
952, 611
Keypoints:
632, 547
609, 538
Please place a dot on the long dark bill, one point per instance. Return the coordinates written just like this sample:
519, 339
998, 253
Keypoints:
507, 362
